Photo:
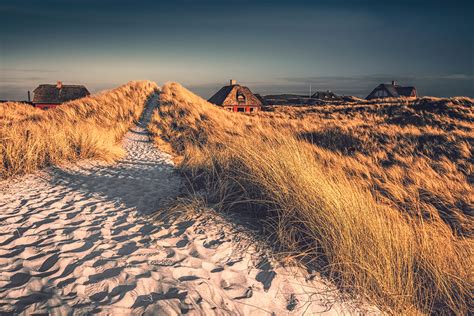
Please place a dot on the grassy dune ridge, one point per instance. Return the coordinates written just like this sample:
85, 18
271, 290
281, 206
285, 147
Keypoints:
90, 127
361, 215
417, 155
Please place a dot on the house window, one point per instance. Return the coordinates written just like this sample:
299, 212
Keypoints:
241, 98
240, 109
381, 93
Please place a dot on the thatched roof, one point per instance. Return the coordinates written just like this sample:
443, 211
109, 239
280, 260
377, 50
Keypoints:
229, 95
57, 94
258, 96
406, 91
325, 95
393, 91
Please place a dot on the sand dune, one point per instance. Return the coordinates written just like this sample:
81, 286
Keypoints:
78, 240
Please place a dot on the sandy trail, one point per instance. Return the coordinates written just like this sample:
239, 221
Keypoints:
77, 240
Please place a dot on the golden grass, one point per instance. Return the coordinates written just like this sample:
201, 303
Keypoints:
90, 127
387, 223
416, 157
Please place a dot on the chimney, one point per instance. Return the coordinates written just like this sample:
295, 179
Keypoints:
233, 82
29, 96
394, 82
59, 84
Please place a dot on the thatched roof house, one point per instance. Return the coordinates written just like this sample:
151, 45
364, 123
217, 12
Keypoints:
391, 91
236, 98
50, 95
326, 95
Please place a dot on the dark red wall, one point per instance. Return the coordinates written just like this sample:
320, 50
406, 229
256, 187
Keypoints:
234, 108
46, 106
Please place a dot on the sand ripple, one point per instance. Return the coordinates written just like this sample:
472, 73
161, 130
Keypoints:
76, 240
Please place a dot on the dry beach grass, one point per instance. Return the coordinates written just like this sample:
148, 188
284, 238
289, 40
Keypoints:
77, 239
416, 155
378, 197
90, 127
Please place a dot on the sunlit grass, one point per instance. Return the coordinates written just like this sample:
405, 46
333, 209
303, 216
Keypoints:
372, 218
90, 127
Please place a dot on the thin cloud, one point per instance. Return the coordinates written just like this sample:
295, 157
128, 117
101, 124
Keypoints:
28, 70
376, 77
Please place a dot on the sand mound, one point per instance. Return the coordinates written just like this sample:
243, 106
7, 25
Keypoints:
77, 240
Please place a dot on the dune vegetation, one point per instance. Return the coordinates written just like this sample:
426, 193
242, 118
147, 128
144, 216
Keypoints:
90, 127
377, 196
416, 155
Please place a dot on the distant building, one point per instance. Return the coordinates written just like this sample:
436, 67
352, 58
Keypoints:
391, 91
326, 96
236, 98
49, 95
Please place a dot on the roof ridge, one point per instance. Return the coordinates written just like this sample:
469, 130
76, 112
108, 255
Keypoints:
64, 85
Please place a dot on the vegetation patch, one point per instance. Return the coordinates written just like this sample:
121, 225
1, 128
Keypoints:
90, 127
388, 221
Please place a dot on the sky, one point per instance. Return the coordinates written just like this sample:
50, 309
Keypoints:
277, 46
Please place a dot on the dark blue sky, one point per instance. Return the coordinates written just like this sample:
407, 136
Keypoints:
272, 46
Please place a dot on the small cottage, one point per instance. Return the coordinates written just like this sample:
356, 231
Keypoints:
49, 95
326, 96
236, 98
392, 91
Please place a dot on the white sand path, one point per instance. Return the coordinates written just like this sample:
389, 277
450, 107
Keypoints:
76, 240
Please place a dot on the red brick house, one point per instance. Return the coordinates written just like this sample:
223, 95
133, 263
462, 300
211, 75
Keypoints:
49, 95
236, 98
392, 91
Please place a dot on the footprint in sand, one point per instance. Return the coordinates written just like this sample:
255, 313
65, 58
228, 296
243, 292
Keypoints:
78, 241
